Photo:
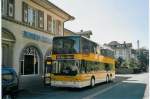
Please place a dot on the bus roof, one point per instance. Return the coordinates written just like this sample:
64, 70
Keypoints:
75, 36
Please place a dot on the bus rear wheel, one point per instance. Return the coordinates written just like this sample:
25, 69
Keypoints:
110, 79
92, 82
107, 79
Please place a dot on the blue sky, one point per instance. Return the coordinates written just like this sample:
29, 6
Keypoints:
109, 20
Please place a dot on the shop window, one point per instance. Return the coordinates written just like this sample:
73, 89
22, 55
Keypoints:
8, 8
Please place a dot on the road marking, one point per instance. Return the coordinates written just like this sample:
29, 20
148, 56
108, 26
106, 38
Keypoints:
100, 92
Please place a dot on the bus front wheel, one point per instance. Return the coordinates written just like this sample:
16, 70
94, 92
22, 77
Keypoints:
92, 82
111, 79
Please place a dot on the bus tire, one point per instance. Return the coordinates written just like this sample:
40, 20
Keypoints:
107, 79
110, 79
92, 82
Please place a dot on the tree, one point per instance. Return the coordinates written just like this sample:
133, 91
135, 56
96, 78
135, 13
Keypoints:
133, 63
119, 62
143, 58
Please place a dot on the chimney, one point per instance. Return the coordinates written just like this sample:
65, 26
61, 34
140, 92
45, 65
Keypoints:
81, 30
124, 42
138, 44
138, 47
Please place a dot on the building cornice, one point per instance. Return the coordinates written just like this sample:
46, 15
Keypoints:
54, 9
24, 24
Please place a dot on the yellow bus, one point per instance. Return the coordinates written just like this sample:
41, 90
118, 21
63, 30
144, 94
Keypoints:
78, 62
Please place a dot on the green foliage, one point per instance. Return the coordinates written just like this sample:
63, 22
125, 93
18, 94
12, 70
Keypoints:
125, 63
143, 58
119, 62
133, 63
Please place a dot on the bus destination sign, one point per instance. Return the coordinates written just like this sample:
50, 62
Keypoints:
64, 56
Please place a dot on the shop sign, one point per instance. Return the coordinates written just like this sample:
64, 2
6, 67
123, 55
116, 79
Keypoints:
37, 37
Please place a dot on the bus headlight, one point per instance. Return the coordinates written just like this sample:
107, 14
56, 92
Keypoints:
47, 80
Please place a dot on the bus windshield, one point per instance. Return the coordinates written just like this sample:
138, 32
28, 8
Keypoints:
65, 67
66, 45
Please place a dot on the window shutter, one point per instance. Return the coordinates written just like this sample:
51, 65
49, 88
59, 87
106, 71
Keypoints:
49, 23
25, 12
11, 8
4, 7
59, 27
41, 19
57, 32
30, 16
54, 26
34, 17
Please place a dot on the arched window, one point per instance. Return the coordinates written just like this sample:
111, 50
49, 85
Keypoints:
8, 41
30, 60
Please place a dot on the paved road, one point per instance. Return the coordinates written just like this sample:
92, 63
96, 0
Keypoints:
124, 87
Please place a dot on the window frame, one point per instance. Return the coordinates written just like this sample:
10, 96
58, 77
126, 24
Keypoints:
5, 8
41, 15
49, 25
36, 14
24, 6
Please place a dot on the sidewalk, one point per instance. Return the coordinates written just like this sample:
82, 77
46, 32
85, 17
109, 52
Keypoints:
146, 94
31, 82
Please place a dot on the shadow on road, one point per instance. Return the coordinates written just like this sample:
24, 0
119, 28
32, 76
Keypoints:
103, 84
126, 90
33, 86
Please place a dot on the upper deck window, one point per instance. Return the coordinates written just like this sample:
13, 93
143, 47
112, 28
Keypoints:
88, 46
66, 45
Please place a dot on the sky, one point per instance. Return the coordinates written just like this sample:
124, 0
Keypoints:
109, 20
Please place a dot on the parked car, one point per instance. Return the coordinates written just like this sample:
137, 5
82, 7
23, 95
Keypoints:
10, 83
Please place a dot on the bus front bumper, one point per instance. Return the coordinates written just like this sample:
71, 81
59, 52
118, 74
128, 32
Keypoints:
72, 84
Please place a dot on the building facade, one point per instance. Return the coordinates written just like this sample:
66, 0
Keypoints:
86, 34
28, 27
121, 50
68, 32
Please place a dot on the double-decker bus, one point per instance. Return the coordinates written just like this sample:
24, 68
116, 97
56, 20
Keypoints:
77, 62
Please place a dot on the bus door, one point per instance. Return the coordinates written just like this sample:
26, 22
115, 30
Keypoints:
48, 71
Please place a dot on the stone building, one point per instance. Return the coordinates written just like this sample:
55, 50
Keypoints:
86, 34
121, 50
68, 32
28, 27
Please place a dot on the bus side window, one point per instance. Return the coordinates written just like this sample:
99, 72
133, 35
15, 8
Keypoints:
83, 68
54, 67
107, 67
